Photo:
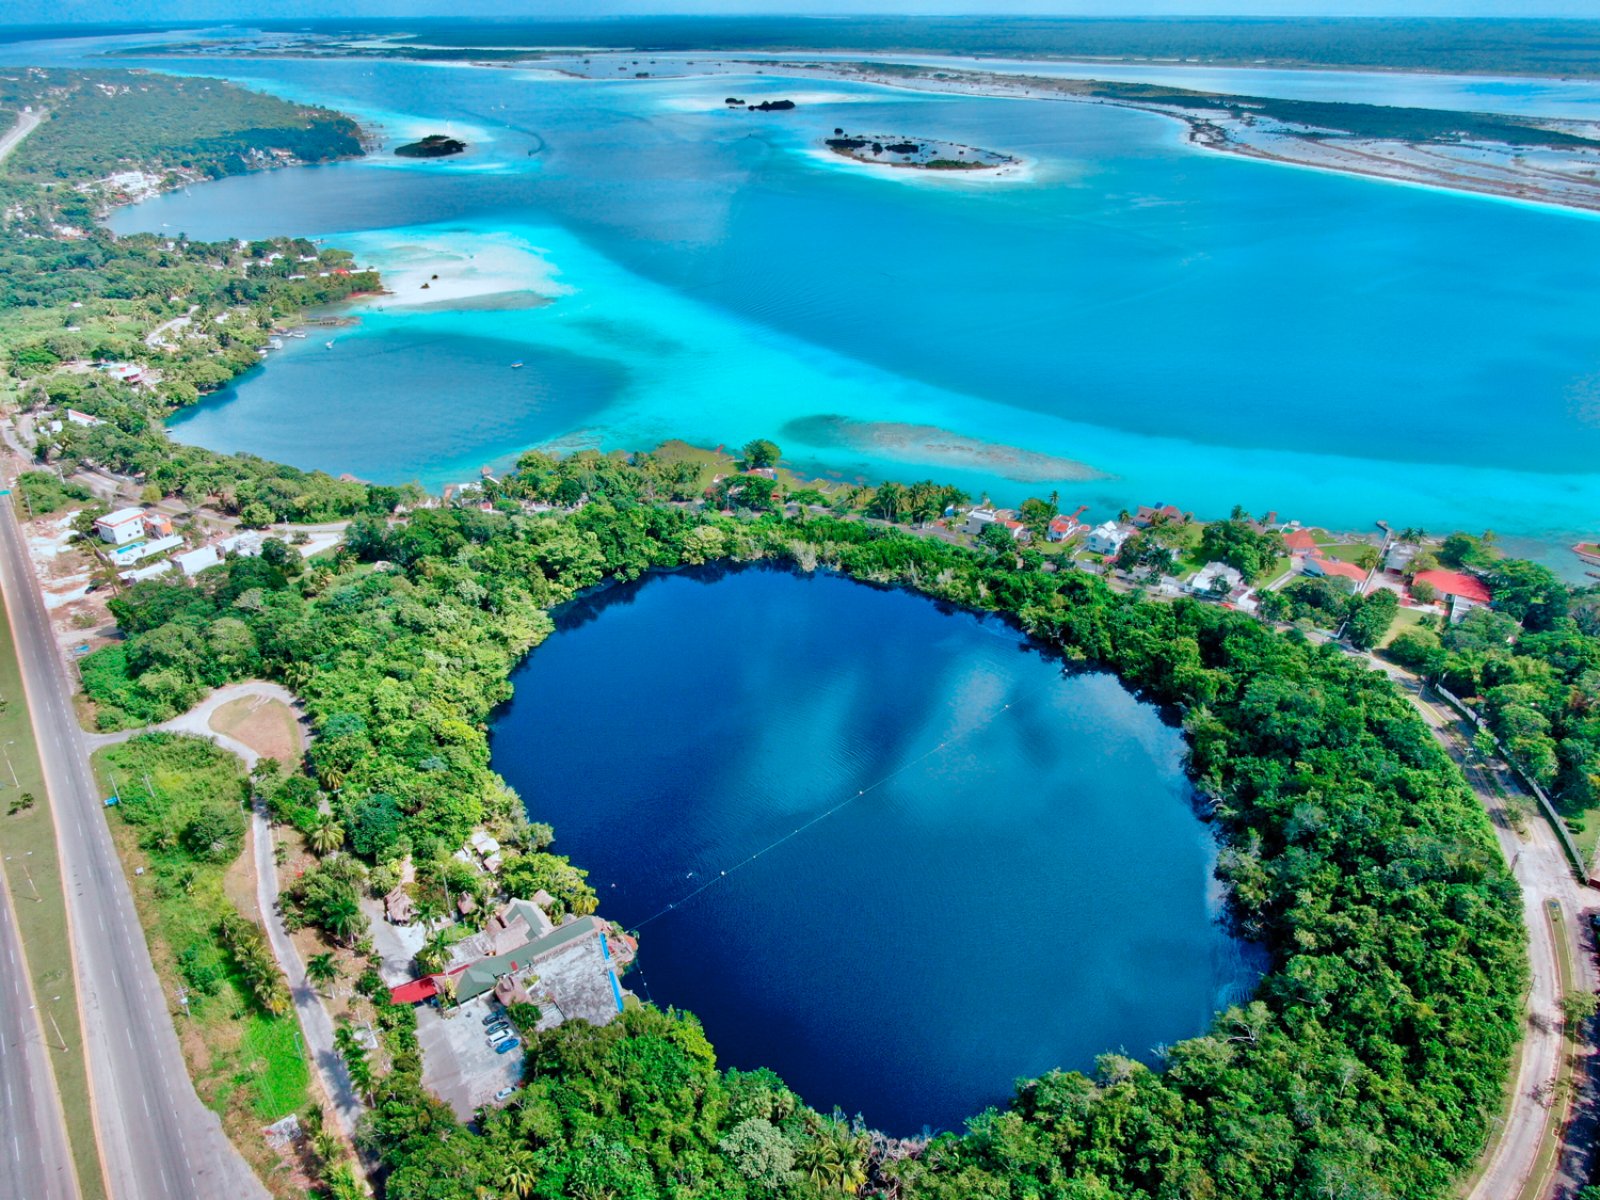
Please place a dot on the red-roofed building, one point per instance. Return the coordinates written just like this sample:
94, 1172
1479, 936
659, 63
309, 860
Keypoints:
414, 992
1065, 527
1322, 565
1300, 541
1456, 584
1148, 515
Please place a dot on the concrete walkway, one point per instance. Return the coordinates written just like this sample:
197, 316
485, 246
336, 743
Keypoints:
316, 1024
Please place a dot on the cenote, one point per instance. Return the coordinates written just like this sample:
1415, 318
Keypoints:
1010, 875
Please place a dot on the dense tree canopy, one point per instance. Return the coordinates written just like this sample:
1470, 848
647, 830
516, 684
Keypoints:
1368, 1063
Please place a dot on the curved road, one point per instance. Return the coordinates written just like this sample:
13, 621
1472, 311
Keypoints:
315, 1023
157, 1141
1544, 875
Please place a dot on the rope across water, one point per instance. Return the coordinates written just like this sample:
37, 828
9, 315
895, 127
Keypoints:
721, 876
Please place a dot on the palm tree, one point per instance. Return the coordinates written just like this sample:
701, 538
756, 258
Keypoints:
361, 1076
344, 1040
446, 985
343, 918
322, 969
327, 835
327, 1146
434, 953
834, 1158
344, 1183
520, 1172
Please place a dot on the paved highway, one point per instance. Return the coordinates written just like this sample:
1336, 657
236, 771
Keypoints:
35, 1160
157, 1141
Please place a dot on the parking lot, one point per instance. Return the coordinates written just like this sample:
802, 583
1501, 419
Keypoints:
458, 1065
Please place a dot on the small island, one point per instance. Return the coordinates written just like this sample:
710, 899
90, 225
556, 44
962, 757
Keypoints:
923, 154
435, 145
764, 106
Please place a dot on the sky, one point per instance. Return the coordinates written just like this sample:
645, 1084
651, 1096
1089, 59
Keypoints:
157, 11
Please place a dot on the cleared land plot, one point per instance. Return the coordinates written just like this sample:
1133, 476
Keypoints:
28, 844
267, 726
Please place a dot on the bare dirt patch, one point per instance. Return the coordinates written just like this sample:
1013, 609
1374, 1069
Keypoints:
267, 726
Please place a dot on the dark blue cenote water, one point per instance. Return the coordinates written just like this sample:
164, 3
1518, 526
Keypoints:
1016, 880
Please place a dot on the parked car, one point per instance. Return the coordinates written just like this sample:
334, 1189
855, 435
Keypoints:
494, 1015
505, 1094
500, 1036
508, 1044
497, 1027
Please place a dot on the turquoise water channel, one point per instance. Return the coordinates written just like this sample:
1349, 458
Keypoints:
1146, 320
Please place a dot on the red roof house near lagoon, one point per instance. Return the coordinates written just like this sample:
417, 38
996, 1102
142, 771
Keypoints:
1455, 583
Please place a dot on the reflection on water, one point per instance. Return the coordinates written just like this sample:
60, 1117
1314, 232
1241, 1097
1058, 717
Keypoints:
1021, 883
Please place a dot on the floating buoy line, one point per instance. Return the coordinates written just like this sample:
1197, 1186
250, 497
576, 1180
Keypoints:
722, 876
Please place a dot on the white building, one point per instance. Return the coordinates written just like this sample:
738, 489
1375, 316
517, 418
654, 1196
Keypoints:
1205, 579
193, 562
978, 519
1105, 539
247, 545
131, 373
121, 527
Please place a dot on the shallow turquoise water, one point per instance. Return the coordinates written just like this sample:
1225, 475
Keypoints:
1184, 326
1023, 884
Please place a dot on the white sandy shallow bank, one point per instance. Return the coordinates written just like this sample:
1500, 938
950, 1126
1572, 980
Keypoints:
461, 268
1023, 170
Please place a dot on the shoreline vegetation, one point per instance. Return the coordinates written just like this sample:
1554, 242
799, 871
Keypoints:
1408, 45
402, 645
1372, 1057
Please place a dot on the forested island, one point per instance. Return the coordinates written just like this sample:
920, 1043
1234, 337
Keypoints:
1371, 1061
435, 145
925, 154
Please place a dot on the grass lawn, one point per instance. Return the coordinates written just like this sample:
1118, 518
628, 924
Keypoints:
710, 462
1406, 618
1348, 551
1279, 568
28, 845
248, 1066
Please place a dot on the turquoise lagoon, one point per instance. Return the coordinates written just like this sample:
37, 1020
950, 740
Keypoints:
1149, 321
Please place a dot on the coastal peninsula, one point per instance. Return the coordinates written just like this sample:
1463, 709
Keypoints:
435, 145
1544, 160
